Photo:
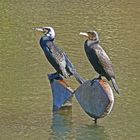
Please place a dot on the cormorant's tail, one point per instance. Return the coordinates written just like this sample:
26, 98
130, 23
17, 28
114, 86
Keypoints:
72, 70
115, 85
78, 77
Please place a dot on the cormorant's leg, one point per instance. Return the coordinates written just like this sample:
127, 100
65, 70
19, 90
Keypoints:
99, 78
92, 81
55, 75
95, 120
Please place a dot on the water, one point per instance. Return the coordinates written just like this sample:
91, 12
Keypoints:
25, 95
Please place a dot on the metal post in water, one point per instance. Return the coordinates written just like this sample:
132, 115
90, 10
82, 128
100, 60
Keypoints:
61, 92
95, 97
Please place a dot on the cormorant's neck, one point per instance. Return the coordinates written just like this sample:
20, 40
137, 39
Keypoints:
44, 40
91, 42
47, 38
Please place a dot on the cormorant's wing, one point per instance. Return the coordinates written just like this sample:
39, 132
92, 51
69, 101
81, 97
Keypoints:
69, 64
65, 65
104, 60
59, 57
71, 69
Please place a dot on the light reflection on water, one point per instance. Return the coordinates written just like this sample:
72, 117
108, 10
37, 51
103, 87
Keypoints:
25, 95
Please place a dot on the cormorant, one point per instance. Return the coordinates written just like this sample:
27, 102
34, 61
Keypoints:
57, 58
98, 57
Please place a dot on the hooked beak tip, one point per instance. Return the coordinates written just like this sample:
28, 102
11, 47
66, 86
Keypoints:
84, 34
38, 29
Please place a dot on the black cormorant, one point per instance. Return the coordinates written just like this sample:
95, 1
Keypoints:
98, 57
57, 58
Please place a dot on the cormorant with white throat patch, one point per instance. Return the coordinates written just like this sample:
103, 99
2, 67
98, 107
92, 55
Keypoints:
98, 57
57, 58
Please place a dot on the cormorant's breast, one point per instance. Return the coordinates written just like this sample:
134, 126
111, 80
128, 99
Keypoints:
43, 42
91, 54
93, 58
46, 43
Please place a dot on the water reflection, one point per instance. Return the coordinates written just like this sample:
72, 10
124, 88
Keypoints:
64, 127
61, 124
91, 132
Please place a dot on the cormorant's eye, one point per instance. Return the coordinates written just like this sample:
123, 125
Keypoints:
45, 30
93, 34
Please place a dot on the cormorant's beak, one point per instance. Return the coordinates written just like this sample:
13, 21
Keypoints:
84, 34
39, 29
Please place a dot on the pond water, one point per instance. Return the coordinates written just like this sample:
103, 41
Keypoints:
25, 94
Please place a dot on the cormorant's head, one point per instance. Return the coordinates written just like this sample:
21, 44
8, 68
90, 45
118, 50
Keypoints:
91, 35
48, 31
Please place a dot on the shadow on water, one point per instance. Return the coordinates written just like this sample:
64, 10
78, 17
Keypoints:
64, 127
